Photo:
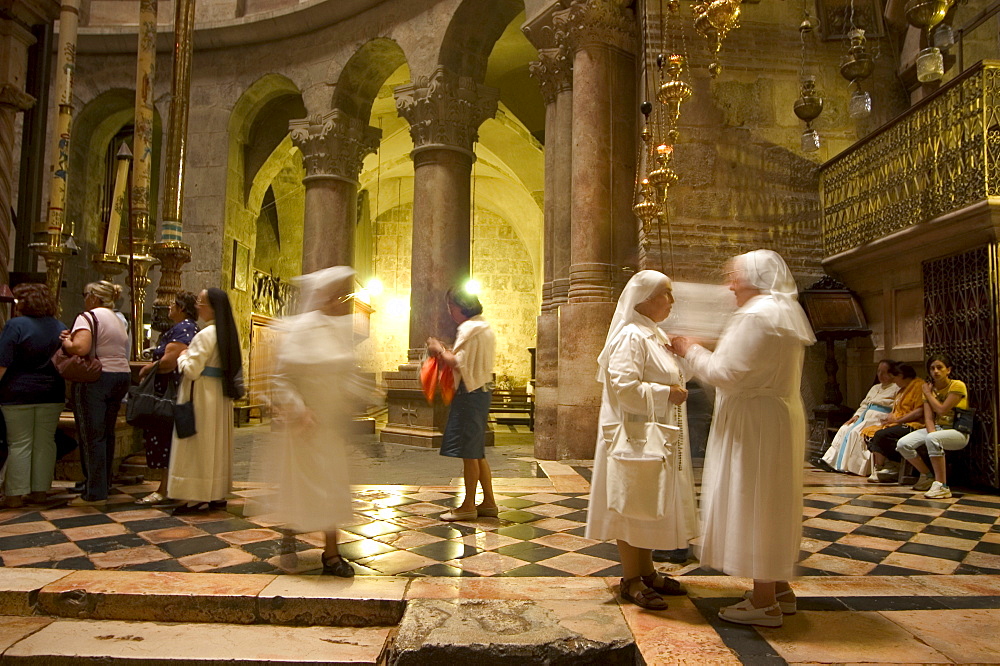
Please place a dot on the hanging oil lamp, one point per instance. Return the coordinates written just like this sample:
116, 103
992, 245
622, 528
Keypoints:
808, 107
925, 14
713, 20
662, 176
673, 93
856, 66
648, 209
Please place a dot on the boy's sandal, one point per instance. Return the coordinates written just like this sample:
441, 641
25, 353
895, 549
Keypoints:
645, 598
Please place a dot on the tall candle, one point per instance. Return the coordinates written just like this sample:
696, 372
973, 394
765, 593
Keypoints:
118, 201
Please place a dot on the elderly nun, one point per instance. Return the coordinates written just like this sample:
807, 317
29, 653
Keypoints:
637, 370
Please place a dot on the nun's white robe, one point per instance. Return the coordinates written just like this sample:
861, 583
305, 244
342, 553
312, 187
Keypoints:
752, 485
640, 364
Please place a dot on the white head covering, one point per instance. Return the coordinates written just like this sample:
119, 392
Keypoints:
317, 287
767, 271
641, 287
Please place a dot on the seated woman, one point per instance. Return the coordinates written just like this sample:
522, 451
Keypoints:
942, 395
907, 412
848, 452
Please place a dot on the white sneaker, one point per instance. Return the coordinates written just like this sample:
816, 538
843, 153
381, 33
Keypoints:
938, 491
924, 482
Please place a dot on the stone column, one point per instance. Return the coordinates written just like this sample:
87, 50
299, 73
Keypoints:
554, 75
444, 112
602, 37
333, 147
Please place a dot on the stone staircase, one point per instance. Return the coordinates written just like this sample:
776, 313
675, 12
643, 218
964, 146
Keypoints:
53, 617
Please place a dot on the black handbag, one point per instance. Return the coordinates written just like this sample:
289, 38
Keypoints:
184, 417
964, 420
146, 408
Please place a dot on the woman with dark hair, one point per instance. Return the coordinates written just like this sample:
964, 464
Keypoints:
32, 393
907, 410
200, 471
942, 395
847, 452
97, 403
465, 434
184, 313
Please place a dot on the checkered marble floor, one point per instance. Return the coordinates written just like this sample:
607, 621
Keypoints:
850, 529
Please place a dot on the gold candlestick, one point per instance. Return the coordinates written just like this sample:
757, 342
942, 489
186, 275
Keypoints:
140, 280
109, 265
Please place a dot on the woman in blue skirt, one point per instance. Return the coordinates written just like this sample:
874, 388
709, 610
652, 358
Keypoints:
471, 359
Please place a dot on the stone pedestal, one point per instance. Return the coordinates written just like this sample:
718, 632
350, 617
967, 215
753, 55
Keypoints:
546, 386
582, 330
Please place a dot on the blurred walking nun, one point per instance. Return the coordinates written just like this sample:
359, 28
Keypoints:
752, 485
316, 390
639, 375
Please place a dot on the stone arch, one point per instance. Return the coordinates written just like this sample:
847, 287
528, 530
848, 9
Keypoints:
97, 124
363, 76
472, 33
259, 152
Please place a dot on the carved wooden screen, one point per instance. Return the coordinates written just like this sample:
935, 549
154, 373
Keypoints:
961, 316
263, 344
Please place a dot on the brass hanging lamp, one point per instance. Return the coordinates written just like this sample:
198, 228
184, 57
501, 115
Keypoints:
713, 20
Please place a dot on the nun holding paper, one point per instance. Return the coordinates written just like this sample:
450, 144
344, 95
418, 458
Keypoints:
638, 375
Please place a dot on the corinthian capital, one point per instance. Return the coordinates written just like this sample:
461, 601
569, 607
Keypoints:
446, 109
334, 143
14, 97
596, 22
554, 72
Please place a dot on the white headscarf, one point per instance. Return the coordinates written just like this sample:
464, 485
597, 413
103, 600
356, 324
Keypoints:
641, 287
316, 288
767, 271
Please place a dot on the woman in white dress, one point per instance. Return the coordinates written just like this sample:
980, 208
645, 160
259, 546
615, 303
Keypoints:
635, 365
315, 391
752, 485
848, 452
201, 466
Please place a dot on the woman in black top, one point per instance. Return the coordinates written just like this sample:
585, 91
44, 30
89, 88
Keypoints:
32, 394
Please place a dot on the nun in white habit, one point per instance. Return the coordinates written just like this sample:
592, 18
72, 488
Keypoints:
752, 484
635, 365
315, 392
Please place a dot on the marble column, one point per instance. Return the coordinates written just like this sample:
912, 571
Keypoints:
602, 37
444, 111
554, 75
333, 147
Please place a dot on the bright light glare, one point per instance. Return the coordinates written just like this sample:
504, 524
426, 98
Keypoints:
374, 287
397, 307
473, 287
363, 296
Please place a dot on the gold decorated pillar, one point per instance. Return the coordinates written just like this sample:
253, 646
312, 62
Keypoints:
172, 251
333, 148
48, 237
601, 36
444, 111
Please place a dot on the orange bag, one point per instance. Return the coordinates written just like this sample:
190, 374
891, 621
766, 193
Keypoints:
434, 374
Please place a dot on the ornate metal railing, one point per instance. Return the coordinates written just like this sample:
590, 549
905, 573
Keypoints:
941, 155
272, 296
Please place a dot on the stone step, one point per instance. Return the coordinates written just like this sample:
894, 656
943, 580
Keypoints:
45, 641
364, 601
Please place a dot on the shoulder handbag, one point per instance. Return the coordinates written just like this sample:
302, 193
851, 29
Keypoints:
146, 408
184, 417
80, 369
639, 469
964, 420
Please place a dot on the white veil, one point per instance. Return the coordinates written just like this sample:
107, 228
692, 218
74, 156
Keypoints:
767, 271
642, 285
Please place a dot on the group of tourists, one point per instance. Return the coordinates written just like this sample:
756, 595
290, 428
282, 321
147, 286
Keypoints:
900, 415
206, 364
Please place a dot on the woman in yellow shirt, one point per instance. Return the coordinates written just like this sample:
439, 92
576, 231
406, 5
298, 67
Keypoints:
942, 395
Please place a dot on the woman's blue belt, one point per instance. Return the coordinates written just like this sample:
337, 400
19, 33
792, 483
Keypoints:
209, 371
880, 408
